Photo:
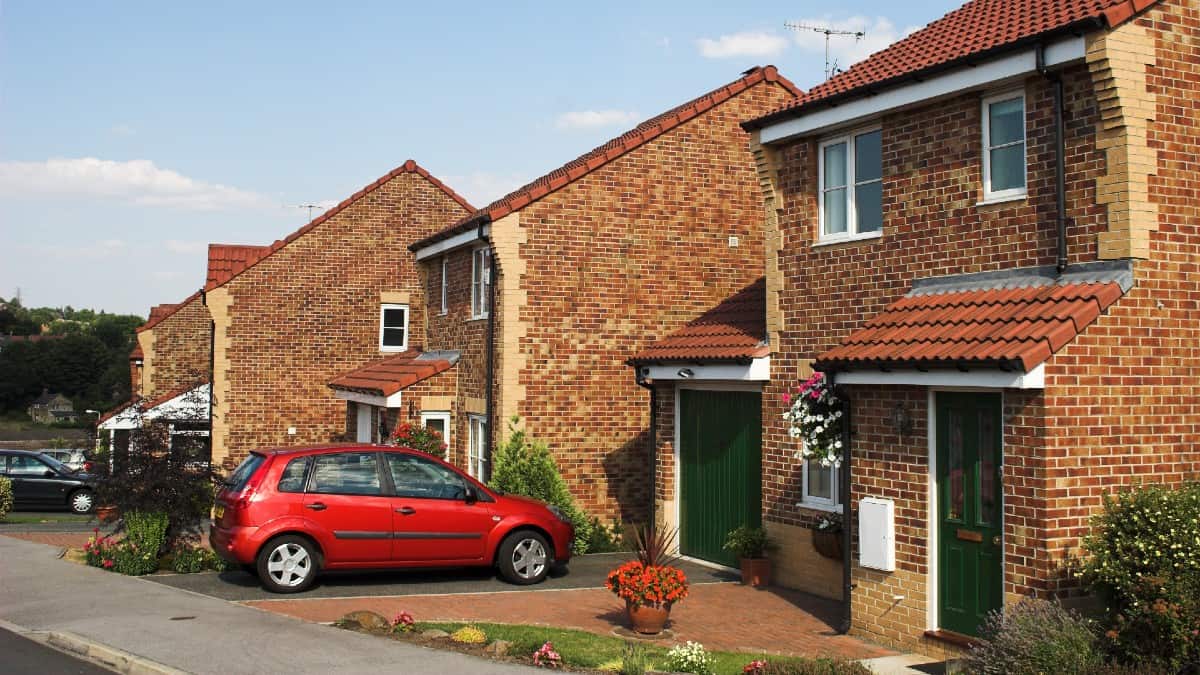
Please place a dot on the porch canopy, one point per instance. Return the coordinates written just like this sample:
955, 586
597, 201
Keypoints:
380, 382
728, 342
994, 329
185, 404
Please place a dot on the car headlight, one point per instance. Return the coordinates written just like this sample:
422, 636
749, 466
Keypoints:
559, 513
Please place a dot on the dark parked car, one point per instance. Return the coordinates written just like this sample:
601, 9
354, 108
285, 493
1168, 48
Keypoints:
40, 481
287, 514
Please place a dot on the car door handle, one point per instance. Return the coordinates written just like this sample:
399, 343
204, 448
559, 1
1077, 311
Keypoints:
316, 506
406, 510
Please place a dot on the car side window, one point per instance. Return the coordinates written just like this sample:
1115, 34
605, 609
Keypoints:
421, 478
346, 473
292, 478
23, 465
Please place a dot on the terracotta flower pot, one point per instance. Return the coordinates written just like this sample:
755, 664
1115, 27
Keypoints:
756, 571
828, 544
647, 619
106, 514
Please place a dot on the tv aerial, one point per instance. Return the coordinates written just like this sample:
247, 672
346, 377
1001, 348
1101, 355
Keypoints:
831, 66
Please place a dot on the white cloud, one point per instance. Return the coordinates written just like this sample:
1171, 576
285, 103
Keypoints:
846, 50
186, 247
136, 181
746, 43
483, 187
593, 119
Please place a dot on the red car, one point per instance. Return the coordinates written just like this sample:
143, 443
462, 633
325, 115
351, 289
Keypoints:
290, 513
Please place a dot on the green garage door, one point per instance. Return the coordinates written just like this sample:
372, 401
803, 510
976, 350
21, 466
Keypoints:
720, 469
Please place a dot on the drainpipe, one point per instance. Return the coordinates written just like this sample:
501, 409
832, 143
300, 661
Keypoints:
490, 376
1060, 190
212, 366
653, 442
847, 510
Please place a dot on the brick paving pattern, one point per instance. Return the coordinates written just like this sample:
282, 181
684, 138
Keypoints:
728, 617
61, 539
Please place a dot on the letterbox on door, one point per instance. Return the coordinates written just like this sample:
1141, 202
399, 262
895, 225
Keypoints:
877, 534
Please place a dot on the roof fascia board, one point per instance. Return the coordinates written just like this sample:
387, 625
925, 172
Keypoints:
1058, 53
988, 379
458, 240
758, 370
392, 401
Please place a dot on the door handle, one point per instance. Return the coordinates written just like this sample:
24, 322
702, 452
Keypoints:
406, 510
996, 540
316, 506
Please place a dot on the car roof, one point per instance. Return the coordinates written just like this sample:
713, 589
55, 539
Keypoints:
27, 453
327, 447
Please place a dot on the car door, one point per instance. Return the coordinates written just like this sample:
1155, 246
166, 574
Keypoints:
35, 483
345, 498
431, 516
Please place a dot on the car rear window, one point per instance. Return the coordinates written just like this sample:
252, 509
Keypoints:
245, 470
292, 479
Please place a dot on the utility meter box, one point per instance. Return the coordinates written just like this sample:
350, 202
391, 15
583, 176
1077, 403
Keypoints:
877, 534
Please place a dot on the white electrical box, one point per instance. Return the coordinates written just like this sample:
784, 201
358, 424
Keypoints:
877, 534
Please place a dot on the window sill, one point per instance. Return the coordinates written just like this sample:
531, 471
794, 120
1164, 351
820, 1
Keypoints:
1002, 199
392, 350
813, 506
833, 241
481, 317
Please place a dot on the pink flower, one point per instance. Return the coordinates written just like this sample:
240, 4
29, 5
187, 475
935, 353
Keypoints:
787, 399
108, 564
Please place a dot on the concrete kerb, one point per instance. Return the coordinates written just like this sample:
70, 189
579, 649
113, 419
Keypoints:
95, 652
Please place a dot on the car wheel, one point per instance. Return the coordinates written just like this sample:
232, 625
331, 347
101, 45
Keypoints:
81, 501
287, 564
524, 558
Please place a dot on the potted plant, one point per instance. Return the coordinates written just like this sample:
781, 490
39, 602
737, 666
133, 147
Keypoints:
751, 545
827, 536
651, 584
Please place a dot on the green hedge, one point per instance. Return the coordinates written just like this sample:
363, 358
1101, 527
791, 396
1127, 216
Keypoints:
6, 497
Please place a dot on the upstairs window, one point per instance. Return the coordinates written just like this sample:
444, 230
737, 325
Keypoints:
851, 179
1004, 147
445, 284
393, 328
481, 282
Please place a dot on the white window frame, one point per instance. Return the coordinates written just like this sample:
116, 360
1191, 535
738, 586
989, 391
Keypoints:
443, 415
445, 284
832, 503
851, 232
475, 445
481, 282
382, 312
990, 195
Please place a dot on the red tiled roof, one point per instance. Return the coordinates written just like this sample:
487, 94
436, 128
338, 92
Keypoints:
226, 260
734, 330
389, 375
598, 157
159, 313
1002, 327
409, 166
976, 29
152, 403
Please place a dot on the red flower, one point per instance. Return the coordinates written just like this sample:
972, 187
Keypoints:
647, 584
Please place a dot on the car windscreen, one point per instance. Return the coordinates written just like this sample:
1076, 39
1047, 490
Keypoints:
54, 463
245, 470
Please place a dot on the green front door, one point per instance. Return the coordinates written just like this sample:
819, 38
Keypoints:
720, 469
970, 579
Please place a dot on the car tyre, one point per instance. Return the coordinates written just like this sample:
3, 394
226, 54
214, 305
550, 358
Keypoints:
287, 564
81, 501
524, 558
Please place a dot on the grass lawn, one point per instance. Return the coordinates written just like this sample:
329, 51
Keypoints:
27, 518
583, 650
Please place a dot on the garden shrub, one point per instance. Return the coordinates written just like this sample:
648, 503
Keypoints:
189, 559
1032, 637
524, 466
635, 660
145, 535
607, 538
470, 635
820, 666
1143, 561
689, 658
6, 497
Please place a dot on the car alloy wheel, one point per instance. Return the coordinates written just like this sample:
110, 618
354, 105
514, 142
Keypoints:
524, 558
288, 564
82, 502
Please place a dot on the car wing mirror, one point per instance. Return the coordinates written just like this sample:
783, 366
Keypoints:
470, 495
49, 473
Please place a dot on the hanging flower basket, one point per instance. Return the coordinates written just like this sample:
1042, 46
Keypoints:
827, 536
815, 417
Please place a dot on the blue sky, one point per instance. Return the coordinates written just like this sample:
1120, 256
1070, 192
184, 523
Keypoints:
134, 133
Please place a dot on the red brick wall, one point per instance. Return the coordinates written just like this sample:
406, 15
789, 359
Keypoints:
310, 312
182, 349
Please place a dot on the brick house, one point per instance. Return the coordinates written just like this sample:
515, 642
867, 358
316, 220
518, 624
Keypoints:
547, 291
1013, 341
339, 293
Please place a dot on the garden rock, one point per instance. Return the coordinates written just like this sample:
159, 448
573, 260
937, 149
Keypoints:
498, 647
435, 634
367, 621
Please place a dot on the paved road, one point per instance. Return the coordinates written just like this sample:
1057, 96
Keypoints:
587, 571
21, 656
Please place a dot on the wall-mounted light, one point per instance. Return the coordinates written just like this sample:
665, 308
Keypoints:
901, 420
685, 373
